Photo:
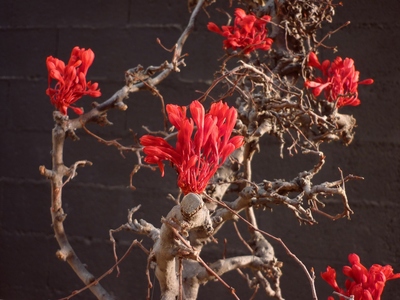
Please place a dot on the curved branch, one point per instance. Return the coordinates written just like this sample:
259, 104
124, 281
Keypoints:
59, 170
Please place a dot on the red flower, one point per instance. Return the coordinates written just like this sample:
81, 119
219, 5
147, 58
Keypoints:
195, 157
248, 32
339, 80
71, 85
363, 284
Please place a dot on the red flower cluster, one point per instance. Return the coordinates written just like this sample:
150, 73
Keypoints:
363, 284
71, 85
195, 158
340, 80
248, 32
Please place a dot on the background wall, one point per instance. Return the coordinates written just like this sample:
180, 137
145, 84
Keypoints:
122, 34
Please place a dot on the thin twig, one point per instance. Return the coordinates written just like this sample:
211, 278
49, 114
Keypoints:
309, 276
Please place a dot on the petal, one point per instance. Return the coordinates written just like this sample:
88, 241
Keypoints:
149, 140
176, 115
354, 259
312, 84
87, 58
75, 54
361, 293
77, 110
388, 272
237, 141
183, 143
247, 23
198, 112
214, 28
366, 81
325, 67
313, 60
240, 13
317, 90
161, 167
330, 277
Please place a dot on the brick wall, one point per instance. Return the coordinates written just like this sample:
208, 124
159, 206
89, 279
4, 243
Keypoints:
122, 33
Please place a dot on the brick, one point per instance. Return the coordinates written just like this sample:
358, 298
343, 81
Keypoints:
53, 279
64, 14
24, 212
26, 52
27, 114
373, 125
170, 12
123, 34
359, 159
355, 40
37, 254
23, 152
112, 62
5, 95
359, 11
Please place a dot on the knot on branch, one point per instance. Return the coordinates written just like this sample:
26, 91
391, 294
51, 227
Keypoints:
195, 213
45, 172
345, 127
190, 205
63, 254
59, 118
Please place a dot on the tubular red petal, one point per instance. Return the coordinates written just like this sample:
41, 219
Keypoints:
183, 144
149, 140
366, 81
325, 66
176, 115
214, 28
76, 110
197, 111
312, 84
237, 141
330, 277
318, 89
87, 58
313, 60
240, 13
354, 259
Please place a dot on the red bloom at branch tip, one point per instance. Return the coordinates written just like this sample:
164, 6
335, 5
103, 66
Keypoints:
362, 283
248, 32
71, 80
339, 80
199, 151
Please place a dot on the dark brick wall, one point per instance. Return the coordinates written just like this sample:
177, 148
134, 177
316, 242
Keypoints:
122, 34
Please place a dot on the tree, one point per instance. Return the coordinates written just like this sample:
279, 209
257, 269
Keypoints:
272, 76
